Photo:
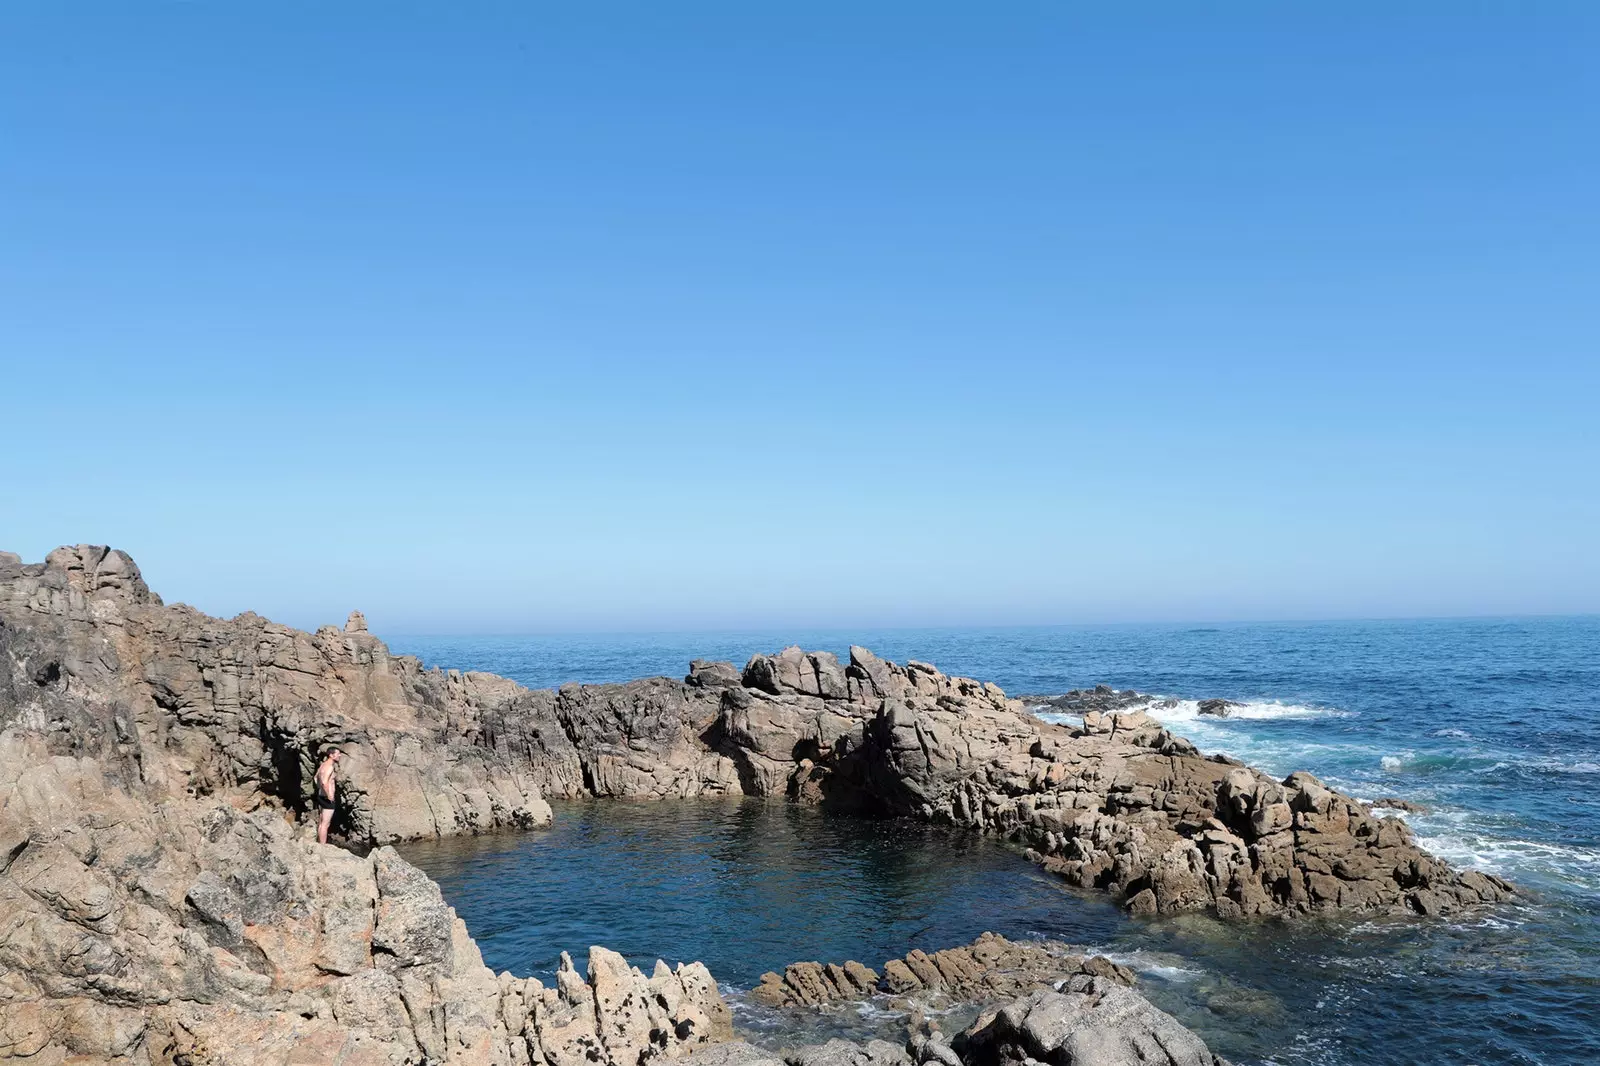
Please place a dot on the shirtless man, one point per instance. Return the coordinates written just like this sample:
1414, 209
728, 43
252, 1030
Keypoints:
326, 790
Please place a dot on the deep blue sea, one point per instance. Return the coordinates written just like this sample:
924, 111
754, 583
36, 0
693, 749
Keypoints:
1490, 723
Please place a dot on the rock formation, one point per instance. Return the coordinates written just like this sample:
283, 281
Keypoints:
1043, 1003
185, 931
1102, 698
160, 905
177, 703
1090, 1021
1118, 804
157, 903
991, 968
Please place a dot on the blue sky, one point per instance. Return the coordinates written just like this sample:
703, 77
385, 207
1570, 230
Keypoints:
510, 317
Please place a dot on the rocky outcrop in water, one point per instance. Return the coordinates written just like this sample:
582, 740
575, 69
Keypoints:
182, 703
1122, 805
158, 903
1102, 699
1042, 1004
1118, 803
991, 968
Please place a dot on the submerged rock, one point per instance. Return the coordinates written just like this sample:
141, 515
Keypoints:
1102, 699
1395, 803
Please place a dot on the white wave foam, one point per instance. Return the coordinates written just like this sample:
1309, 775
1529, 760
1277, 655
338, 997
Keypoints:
1158, 965
1582, 764
1253, 711
1169, 711
1394, 762
1517, 859
1455, 734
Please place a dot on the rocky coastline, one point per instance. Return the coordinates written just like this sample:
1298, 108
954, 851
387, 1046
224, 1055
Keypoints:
163, 900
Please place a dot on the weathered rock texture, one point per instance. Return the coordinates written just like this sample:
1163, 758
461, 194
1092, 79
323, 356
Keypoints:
1118, 804
159, 905
989, 969
176, 703
189, 704
1090, 1021
188, 932
1043, 1004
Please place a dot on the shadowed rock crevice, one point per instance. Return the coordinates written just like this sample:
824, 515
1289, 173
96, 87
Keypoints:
161, 902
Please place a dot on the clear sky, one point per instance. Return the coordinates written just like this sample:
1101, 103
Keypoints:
505, 316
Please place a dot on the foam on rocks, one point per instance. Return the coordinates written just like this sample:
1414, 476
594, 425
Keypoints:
163, 900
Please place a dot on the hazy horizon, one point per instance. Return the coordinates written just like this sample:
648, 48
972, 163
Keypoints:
758, 627
729, 318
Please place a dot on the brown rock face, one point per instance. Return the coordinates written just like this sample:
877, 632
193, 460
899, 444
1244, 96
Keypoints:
1090, 1021
176, 703
184, 704
185, 931
158, 904
1122, 805
991, 968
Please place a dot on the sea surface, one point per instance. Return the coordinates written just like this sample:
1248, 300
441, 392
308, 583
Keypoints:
1494, 725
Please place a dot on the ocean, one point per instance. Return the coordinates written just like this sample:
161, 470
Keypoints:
1492, 724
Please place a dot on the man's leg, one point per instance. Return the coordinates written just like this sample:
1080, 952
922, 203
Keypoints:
323, 822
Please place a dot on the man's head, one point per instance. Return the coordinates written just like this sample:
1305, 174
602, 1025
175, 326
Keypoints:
333, 755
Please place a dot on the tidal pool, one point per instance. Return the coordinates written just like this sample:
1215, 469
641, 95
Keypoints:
749, 885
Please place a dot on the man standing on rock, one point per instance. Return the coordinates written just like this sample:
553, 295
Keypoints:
326, 788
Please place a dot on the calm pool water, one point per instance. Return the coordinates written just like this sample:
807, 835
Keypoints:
1494, 724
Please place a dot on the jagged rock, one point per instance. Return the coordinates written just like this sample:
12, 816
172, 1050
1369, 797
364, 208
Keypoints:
181, 704
1395, 803
704, 673
1122, 805
1218, 708
988, 969
1089, 1022
832, 1053
1102, 699
158, 903
183, 931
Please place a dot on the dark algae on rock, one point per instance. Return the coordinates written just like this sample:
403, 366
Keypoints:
163, 900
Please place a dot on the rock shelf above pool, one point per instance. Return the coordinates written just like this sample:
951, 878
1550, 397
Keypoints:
161, 905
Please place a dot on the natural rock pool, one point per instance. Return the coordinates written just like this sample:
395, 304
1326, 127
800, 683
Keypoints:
1489, 724
749, 885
